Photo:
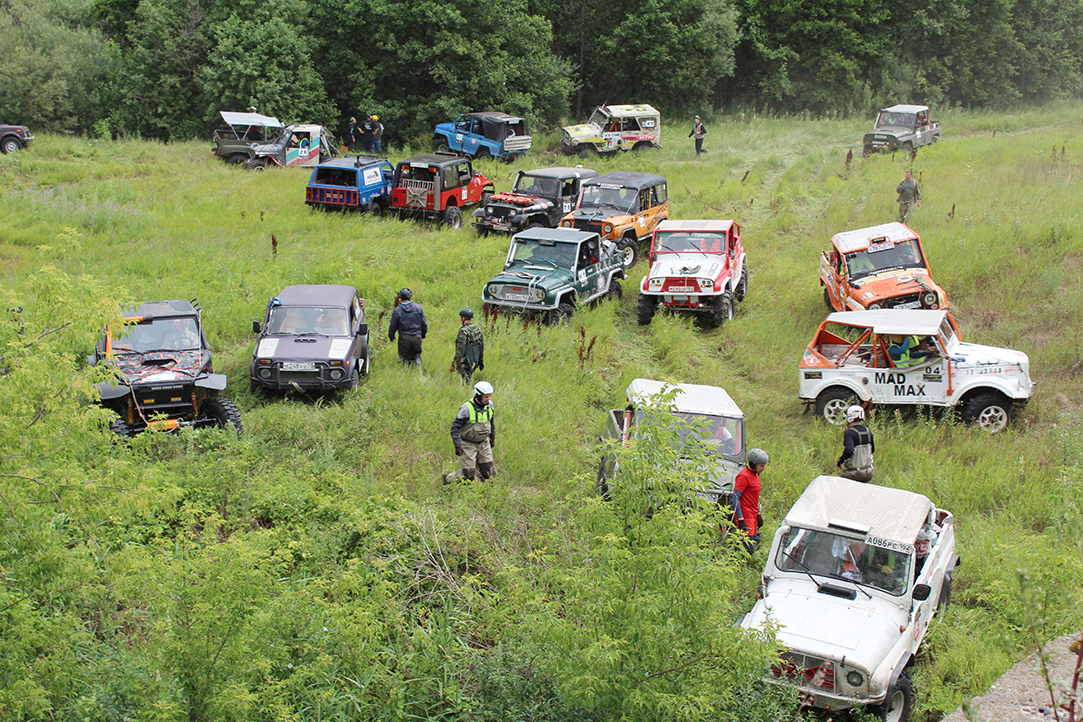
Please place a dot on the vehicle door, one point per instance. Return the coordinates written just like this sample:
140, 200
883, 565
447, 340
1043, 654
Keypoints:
565, 203
589, 282
630, 132
653, 209
737, 253
460, 139
832, 269
923, 383
451, 186
611, 134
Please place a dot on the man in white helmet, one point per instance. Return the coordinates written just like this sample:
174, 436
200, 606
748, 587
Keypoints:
857, 448
474, 434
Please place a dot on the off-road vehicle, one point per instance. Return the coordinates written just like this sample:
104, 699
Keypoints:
483, 135
695, 266
849, 361
622, 206
14, 137
706, 412
612, 128
902, 127
539, 198
550, 271
296, 145
163, 362
855, 575
313, 338
879, 267
438, 187
233, 142
362, 182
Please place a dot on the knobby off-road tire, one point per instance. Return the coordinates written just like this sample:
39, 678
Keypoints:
442, 147
586, 151
992, 412
629, 250
896, 708
486, 196
453, 217
722, 310
827, 301
646, 309
615, 292
374, 208
483, 154
560, 316
236, 159
223, 412
120, 427
742, 285
832, 403
256, 164
366, 362
354, 377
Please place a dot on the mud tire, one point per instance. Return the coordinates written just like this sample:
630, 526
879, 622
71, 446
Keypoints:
560, 316
629, 250
742, 285
832, 403
722, 310
224, 412
896, 708
453, 217
646, 308
991, 412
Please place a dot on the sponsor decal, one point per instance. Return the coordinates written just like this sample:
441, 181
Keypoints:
813, 375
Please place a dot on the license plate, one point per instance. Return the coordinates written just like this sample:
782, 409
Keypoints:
515, 297
912, 304
708, 495
298, 366
681, 289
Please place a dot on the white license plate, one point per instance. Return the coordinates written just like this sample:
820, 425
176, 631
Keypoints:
298, 366
681, 289
912, 304
708, 495
515, 297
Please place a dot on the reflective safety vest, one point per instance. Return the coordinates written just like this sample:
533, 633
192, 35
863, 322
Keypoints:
484, 416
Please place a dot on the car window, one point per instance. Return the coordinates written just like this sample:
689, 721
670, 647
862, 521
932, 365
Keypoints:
160, 334
451, 177
825, 554
884, 257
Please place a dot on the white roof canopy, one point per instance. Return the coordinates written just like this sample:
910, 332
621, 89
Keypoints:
250, 119
893, 321
905, 109
690, 398
862, 238
837, 504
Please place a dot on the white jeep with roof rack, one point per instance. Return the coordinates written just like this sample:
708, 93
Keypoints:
855, 575
849, 362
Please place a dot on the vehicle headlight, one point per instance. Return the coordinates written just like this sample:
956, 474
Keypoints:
873, 307
655, 284
492, 289
538, 294
929, 299
566, 224
706, 284
607, 228
336, 374
855, 678
265, 373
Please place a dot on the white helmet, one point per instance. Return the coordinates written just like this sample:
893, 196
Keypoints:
855, 413
483, 387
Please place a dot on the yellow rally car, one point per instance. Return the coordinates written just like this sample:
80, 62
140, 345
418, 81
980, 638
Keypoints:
622, 207
612, 128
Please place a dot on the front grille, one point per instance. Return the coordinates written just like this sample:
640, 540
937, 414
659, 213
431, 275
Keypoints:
809, 672
585, 225
500, 211
910, 298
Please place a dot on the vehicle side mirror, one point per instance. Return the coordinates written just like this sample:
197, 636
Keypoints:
92, 360
255, 327
363, 330
921, 592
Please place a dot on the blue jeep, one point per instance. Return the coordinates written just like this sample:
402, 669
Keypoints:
361, 182
483, 135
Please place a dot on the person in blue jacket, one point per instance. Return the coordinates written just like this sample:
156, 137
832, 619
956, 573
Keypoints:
408, 321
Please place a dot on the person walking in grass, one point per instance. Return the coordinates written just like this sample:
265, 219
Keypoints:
909, 195
469, 347
408, 321
747, 510
474, 434
857, 448
698, 130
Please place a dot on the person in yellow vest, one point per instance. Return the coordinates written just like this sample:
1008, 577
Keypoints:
474, 434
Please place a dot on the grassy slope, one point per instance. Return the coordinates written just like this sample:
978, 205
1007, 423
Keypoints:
1002, 227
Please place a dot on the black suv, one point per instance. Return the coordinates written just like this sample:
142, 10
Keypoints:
163, 362
14, 137
314, 338
539, 198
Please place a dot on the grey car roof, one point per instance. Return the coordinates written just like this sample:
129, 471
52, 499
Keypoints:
690, 398
905, 109
158, 309
436, 159
860, 239
352, 163
627, 179
894, 321
317, 295
834, 503
561, 172
565, 235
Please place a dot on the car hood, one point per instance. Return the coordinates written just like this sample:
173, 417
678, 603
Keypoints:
538, 276
595, 214
861, 630
686, 264
161, 366
303, 348
520, 200
586, 131
892, 283
894, 131
972, 355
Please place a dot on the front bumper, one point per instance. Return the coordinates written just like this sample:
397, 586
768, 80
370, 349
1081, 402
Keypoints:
274, 378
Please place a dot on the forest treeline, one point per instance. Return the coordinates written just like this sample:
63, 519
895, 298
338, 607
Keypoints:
164, 68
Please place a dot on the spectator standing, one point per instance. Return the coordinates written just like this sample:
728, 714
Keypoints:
698, 130
474, 434
351, 133
909, 195
469, 347
408, 321
747, 511
379, 134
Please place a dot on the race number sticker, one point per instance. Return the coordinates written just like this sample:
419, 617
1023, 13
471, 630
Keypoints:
464, 193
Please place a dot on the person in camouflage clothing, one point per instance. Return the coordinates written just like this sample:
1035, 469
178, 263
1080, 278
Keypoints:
469, 347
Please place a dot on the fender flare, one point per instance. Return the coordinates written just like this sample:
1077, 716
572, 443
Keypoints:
108, 391
216, 382
899, 669
862, 393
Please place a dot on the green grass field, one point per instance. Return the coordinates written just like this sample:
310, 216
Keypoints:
316, 486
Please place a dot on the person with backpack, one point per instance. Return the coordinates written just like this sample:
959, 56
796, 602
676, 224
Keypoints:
469, 347
857, 448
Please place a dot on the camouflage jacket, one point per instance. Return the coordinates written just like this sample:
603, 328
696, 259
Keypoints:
469, 348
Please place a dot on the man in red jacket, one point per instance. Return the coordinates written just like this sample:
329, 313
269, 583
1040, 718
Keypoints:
746, 499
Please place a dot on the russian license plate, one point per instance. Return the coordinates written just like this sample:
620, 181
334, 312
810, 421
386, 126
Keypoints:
681, 289
298, 366
708, 495
912, 304
515, 297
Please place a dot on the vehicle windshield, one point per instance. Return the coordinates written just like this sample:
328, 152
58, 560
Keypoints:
535, 186
625, 200
599, 118
904, 120
545, 255
311, 320
159, 334
884, 257
849, 558
948, 337
719, 435
685, 242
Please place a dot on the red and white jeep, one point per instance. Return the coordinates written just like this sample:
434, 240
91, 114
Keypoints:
438, 186
695, 266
